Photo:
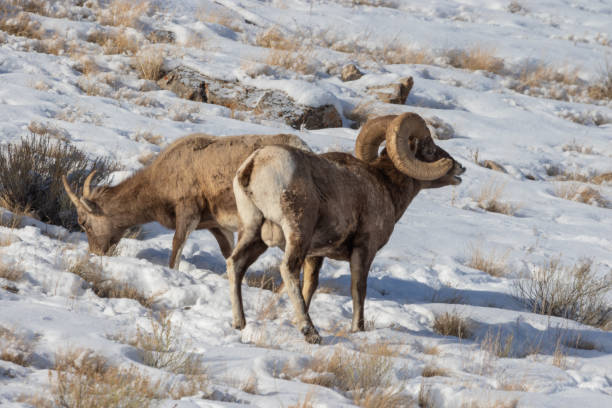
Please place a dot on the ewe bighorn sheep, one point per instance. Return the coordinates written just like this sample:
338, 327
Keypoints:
188, 186
332, 205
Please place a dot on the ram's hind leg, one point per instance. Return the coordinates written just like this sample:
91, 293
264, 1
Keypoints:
312, 266
298, 227
247, 250
225, 239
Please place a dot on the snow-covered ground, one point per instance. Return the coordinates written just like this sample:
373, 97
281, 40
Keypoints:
421, 273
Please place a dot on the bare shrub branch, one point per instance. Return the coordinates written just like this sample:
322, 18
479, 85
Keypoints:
575, 292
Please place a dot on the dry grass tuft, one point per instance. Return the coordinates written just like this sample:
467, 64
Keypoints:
452, 324
48, 130
274, 38
14, 347
162, 348
12, 220
432, 350
496, 344
301, 61
250, 385
425, 396
306, 402
220, 17
434, 371
489, 198
581, 193
363, 375
149, 63
124, 13
397, 53
541, 74
148, 136
511, 403
577, 147
12, 273
603, 89
493, 263
104, 286
268, 307
19, 24
114, 42
507, 385
559, 357
270, 279
576, 292
475, 58
82, 378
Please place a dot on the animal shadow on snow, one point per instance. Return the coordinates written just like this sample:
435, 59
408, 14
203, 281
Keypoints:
202, 259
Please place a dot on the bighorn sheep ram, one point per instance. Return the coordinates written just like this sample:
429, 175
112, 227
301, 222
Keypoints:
188, 186
332, 205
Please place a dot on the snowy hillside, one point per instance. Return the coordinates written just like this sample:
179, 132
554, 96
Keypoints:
520, 92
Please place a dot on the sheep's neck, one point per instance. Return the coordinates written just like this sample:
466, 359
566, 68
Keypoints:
401, 188
130, 201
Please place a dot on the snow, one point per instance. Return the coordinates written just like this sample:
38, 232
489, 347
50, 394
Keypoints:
422, 270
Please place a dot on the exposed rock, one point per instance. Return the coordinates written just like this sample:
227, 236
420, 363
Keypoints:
161, 36
266, 103
396, 93
490, 164
185, 83
350, 72
439, 129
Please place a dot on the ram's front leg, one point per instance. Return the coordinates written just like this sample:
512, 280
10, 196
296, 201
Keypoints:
360, 263
186, 221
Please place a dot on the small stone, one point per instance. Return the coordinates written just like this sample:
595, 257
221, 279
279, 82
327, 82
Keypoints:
350, 72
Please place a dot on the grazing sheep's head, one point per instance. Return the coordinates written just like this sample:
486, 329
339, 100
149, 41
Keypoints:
409, 146
99, 227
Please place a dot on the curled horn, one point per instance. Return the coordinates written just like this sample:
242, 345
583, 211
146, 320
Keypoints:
399, 131
75, 200
78, 202
370, 137
86, 185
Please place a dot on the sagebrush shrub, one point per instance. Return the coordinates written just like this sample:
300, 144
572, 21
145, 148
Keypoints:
31, 178
575, 292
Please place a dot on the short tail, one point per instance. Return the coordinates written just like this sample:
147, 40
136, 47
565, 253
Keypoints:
244, 172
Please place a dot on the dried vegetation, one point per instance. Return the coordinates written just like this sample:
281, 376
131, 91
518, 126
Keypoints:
15, 347
30, 174
104, 286
452, 324
365, 376
491, 262
577, 292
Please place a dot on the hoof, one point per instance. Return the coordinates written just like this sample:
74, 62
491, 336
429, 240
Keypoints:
239, 325
311, 335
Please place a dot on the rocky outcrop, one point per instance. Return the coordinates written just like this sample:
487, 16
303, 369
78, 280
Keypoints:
396, 93
350, 72
265, 103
